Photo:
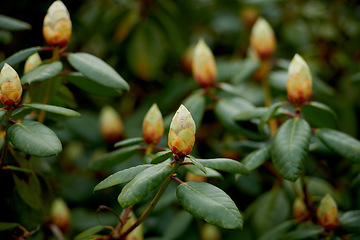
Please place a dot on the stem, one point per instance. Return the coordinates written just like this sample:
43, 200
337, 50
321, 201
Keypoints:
306, 195
267, 99
149, 148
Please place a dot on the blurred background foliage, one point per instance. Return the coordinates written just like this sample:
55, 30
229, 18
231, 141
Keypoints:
149, 43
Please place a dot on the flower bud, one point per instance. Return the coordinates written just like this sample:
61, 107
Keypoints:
182, 132
60, 214
32, 62
203, 65
57, 25
249, 15
299, 84
10, 86
327, 213
210, 232
111, 124
300, 210
262, 39
153, 127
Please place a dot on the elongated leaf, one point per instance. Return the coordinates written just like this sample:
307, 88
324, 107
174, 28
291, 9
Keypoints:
161, 156
225, 164
320, 115
120, 177
29, 190
269, 114
209, 203
289, 148
129, 142
97, 70
20, 169
13, 24
34, 138
196, 106
350, 221
304, 231
250, 114
341, 143
278, 231
42, 72
210, 173
257, 158
138, 188
19, 56
89, 233
7, 226
197, 164
248, 67
113, 158
53, 109
2, 114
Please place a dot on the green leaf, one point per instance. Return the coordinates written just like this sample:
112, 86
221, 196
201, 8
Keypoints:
319, 114
7, 226
197, 164
129, 142
278, 231
97, 70
147, 180
161, 156
20, 169
19, 56
2, 114
225, 164
34, 139
29, 189
174, 230
196, 106
210, 173
289, 148
89, 233
120, 177
304, 231
341, 143
42, 72
245, 72
209, 203
91, 86
269, 114
350, 221
13, 24
113, 158
257, 157
250, 114
53, 109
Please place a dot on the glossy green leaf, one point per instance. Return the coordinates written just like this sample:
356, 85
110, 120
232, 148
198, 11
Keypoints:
278, 231
91, 86
146, 181
161, 156
269, 114
90, 233
174, 230
350, 221
42, 72
120, 177
257, 157
197, 164
225, 164
53, 109
209, 203
111, 159
19, 56
28, 189
196, 106
7, 226
13, 24
2, 114
304, 231
289, 148
210, 173
97, 70
34, 139
250, 114
320, 115
129, 142
341, 143
245, 72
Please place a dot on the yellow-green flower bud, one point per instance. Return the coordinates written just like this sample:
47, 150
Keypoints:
299, 84
262, 39
60, 214
300, 210
203, 65
57, 25
32, 62
182, 132
327, 213
10, 86
111, 124
153, 127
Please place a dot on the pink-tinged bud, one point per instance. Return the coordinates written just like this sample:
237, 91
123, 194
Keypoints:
327, 214
153, 127
111, 124
262, 39
300, 210
203, 65
10, 86
60, 214
32, 62
182, 132
299, 84
57, 25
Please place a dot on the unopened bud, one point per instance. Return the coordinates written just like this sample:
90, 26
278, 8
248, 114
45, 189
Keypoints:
60, 214
262, 39
299, 84
249, 16
10, 86
203, 65
111, 124
57, 25
300, 210
32, 62
327, 214
182, 132
153, 127
210, 232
